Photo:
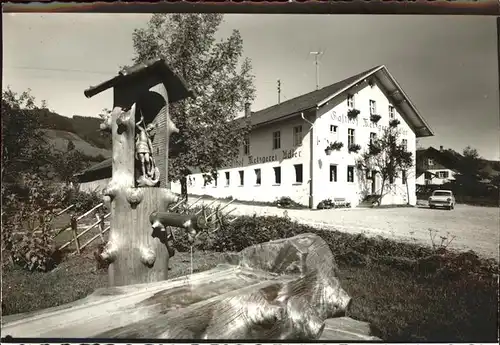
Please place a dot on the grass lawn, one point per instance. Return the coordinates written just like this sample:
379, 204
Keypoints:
399, 305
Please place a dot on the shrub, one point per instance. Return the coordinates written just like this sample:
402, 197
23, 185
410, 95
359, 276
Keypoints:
287, 202
26, 223
326, 204
83, 201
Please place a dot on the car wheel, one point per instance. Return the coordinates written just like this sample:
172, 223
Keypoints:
432, 206
452, 207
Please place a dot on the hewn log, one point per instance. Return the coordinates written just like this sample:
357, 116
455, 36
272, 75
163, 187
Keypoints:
262, 298
114, 307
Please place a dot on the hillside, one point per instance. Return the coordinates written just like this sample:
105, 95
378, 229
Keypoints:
85, 128
59, 139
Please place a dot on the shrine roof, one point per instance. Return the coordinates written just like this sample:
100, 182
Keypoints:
176, 87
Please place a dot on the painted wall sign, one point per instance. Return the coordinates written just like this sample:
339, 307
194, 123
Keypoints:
285, 154
366, 122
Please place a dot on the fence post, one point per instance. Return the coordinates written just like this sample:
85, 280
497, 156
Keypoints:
74, 227
100, 219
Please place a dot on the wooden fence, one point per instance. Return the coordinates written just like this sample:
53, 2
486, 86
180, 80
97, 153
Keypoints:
73, 226
100, 216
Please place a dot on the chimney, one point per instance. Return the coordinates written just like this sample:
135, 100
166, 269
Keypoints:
248, 113
441, 148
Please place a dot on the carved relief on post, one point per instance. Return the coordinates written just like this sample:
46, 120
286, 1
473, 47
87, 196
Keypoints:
149, 172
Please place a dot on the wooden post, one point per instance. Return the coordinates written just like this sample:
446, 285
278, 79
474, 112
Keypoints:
140, 128
135, 256
74, 228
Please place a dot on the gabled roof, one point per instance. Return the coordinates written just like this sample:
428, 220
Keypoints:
142, 72
322, 96
304, 102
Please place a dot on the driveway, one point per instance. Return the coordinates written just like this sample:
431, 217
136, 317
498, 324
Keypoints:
470, 227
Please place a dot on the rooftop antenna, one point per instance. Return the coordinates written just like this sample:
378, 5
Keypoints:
279, 91
316, 55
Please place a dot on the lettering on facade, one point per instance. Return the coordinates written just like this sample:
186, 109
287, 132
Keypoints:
285, 154
259, 160
366, 122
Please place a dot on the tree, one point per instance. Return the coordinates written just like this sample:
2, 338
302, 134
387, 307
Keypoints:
221, 78
71, 146
387, 157
67, 164
24, 148
471, 163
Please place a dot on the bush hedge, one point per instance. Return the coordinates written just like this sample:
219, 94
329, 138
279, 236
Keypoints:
351, 249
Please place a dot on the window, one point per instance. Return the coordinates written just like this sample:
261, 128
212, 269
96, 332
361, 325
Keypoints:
373, 136
333, 173
350, 101
206, 180
227, 178
334, 132
350, 137
350, 173
215, 180
277, 175
298, 173
297, 136
392, 115
442, 174
428, 175
276, 140
403, 176
373, 107
257, 177
405, 145
242, 177
246, 146
391, 179
430, 161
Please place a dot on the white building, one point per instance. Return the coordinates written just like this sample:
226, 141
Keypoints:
285, 155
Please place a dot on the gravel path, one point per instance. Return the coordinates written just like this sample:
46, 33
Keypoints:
471, 227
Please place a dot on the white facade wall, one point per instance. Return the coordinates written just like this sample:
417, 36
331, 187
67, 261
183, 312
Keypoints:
263, 157
333, 113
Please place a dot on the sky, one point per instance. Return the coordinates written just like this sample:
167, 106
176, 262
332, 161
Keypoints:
448, 65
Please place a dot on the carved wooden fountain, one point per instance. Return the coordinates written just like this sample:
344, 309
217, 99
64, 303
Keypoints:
285, 289
141, 127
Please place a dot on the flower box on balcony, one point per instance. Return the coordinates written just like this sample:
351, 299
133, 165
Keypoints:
336, 145
354, 148
375, 117
394, 123
352, 113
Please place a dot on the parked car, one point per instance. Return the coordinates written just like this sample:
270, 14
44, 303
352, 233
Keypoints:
442, 198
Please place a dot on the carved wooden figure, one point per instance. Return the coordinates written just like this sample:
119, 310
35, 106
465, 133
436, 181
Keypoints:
140, 127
